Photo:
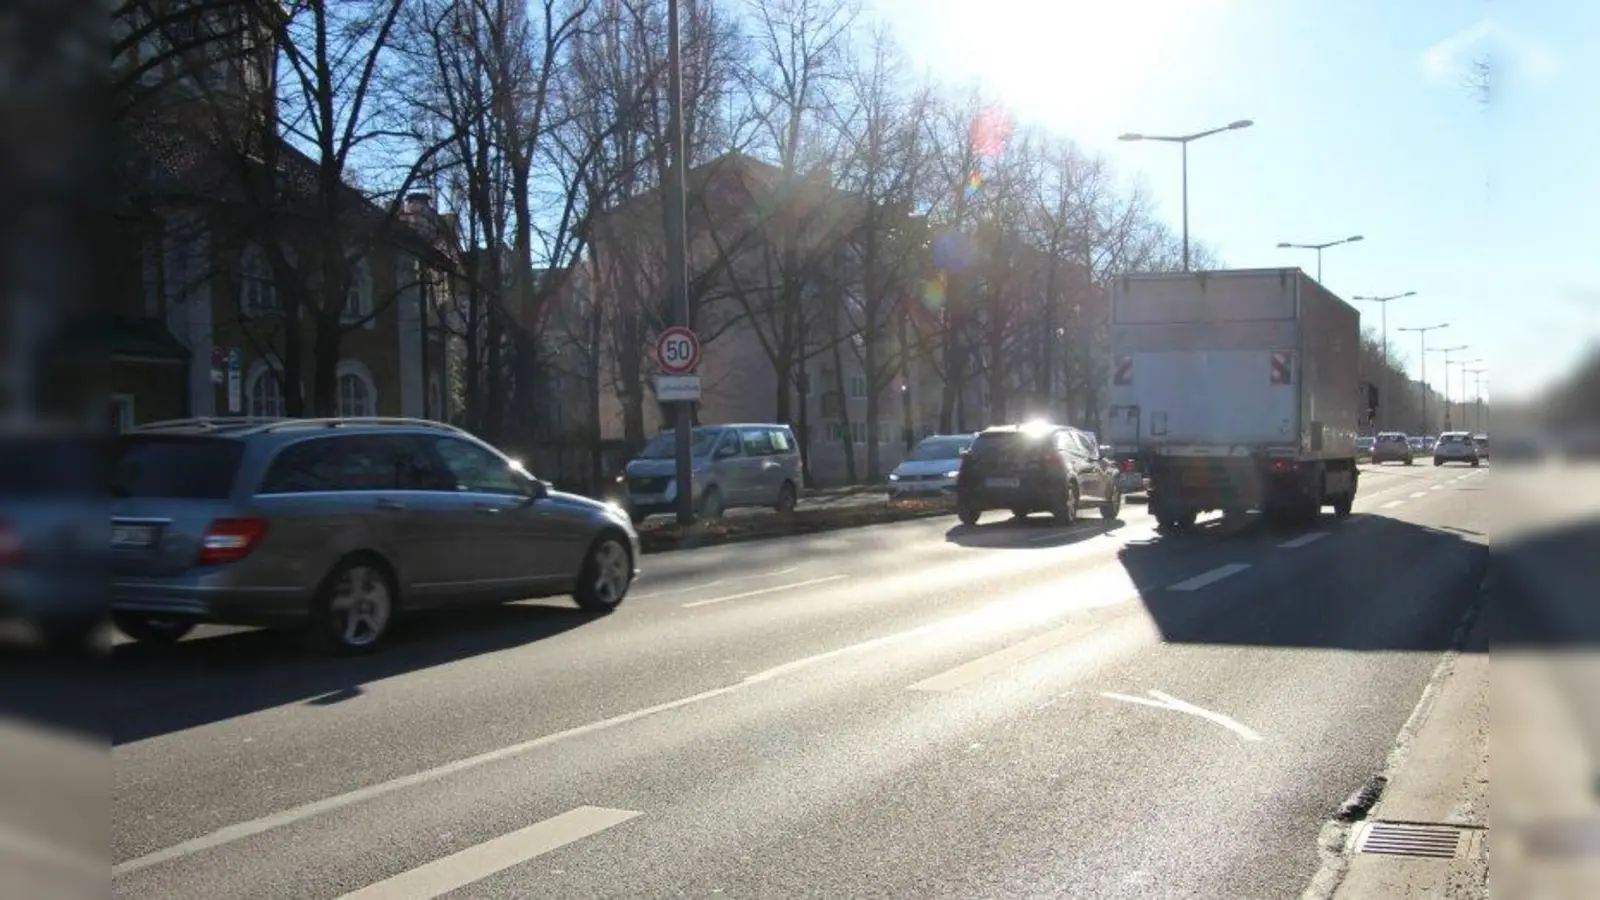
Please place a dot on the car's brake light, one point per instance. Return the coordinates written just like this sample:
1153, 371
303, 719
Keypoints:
230, 540
11, 550
1128, 465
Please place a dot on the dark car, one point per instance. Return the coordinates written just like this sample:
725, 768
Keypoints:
1035, 468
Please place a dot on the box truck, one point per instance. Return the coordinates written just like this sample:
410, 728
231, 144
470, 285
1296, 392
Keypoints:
1237, 390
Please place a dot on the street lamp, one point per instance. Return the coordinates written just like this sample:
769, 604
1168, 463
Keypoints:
1422, 334
1463, 363
1183, 140
1447, 351
1383, 304
1285, 245
1477, 393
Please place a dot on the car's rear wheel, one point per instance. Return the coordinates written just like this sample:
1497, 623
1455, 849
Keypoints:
1065, 509
968, 515
151, 629
788, 497
606, 575
354, 607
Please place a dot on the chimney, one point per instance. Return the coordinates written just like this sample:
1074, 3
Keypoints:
418, 203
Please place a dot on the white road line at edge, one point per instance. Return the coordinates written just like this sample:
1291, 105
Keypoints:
1303, 540
700, 587
241, 830
1392, 504
1207, 578
475, 863
769, 590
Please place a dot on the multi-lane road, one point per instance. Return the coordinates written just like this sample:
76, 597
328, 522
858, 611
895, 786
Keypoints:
913, 710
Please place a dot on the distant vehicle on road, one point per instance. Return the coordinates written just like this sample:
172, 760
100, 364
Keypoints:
930, 469
1130, 478
1364, 445
1037, 467
732, 466
339, 525
1237, 390
1482, 442
1392, 446
1456, 446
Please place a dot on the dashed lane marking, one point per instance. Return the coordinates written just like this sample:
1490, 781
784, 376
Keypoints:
1392, 504
475, 863
1303, 540
1209, 578
764, 591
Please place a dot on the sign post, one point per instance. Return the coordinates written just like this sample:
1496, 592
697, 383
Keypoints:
677, 247
677, 356
235, 360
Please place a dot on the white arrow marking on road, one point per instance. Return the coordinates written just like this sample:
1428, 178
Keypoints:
1167, 701
458, 870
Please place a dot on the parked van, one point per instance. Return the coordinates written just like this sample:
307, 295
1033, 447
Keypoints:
733, 465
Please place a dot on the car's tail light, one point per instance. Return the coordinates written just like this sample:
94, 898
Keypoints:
230, 540
1282, 466
1128, 465
11, 549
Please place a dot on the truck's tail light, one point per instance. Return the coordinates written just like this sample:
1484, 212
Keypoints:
230, 540
1282, 466
1128, 465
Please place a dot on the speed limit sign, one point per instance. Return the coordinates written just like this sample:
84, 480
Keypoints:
677, 350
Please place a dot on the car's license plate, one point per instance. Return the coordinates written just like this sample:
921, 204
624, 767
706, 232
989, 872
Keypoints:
133, 537
1002, 482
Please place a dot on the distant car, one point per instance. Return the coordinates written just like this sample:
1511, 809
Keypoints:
1418, 445
1482, 442
1456, 446
341, 525
730, 466
1392, 446
1035, 468
930, 469
1130, 477
1364, 446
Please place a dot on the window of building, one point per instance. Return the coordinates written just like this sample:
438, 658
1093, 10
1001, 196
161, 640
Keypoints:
258, 290
358, 396
858, 387
263, 392
358, 299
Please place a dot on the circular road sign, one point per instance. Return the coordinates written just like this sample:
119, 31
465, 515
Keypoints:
677, 350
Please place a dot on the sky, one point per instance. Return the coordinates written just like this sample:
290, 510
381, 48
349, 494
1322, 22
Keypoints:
1363, 125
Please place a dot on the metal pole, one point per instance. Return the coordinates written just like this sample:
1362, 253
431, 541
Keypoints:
1319, 265
1185, 146
1422, 336
678, 252
1383, 309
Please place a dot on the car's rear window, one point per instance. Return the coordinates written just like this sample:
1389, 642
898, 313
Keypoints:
1003, 441
176, 467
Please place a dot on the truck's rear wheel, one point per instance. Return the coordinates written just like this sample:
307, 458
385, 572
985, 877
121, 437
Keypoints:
1343, 504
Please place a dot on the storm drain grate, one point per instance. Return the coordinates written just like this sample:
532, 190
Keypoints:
1406, 839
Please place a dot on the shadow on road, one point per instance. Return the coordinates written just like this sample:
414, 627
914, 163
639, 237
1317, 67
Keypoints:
1030, 532
159, 690
1545, 590
1371, 583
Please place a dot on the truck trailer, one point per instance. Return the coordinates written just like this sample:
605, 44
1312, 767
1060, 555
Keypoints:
1237, 390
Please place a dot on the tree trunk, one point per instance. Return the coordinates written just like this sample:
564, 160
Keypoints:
846, 436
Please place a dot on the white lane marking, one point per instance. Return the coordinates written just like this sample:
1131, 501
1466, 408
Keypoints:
1167, 701
1437, 487
1392, 504
476, 863
1025, 609
984, 666
1303, 540
1418, 494
700, 587
769, 590
1211, 577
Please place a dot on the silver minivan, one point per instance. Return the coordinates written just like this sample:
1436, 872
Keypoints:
733, 465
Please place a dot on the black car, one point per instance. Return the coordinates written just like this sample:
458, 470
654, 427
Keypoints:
1035, 468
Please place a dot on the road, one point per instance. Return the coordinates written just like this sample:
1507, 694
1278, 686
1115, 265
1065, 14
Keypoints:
911, 710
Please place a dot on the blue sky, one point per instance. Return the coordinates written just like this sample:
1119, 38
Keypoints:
1362, 127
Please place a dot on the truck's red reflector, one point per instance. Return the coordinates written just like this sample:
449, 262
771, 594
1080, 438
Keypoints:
230, 540
1128, 465
1282, 466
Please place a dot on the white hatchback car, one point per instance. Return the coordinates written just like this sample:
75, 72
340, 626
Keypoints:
930, 469
1456, 446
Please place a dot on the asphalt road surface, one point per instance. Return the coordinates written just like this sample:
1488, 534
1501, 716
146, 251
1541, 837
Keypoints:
909, 710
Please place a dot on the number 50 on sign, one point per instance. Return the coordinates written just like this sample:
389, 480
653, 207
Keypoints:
677, 351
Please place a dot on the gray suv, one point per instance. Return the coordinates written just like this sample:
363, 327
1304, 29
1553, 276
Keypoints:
339, 525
